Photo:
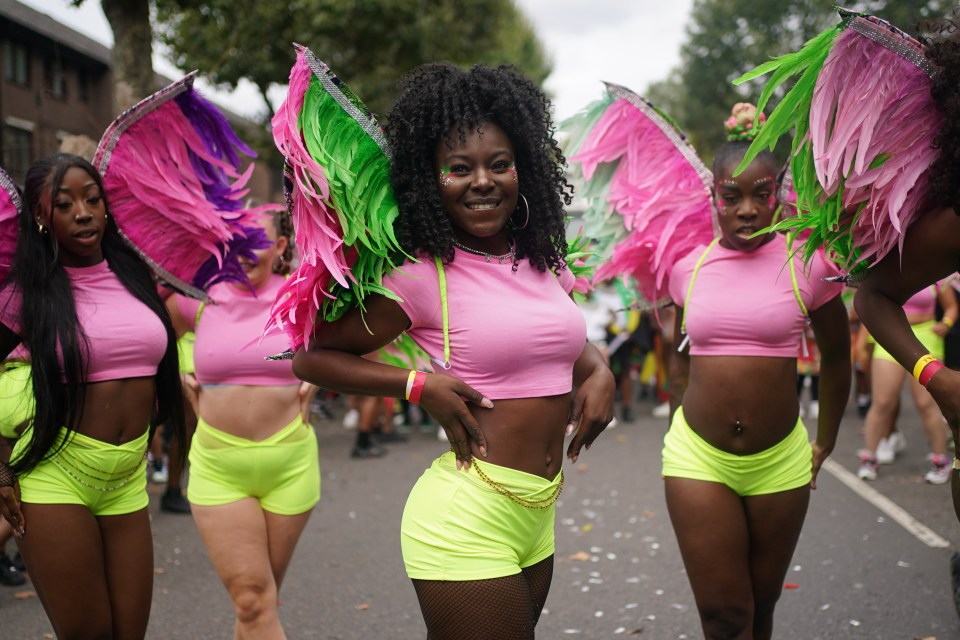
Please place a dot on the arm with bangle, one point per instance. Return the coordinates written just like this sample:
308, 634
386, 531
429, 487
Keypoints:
931, 252
334, 361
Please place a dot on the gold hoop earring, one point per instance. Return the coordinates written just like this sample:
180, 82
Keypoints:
526, 206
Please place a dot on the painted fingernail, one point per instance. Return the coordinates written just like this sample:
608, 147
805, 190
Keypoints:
486, 403
570, 429
483, 451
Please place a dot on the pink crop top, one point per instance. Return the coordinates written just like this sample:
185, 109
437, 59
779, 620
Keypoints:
124, 337
923, 301
743, 303
512, 334
228, 349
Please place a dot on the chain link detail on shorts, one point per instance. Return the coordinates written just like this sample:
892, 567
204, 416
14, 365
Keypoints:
545, 503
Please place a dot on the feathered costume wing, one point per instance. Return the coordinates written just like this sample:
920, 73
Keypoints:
647, 191
171, 172
863, 118
338, 170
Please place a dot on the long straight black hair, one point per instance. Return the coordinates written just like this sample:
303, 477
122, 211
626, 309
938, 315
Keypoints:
48, 315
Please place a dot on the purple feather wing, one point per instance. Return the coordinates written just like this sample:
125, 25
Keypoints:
171, 167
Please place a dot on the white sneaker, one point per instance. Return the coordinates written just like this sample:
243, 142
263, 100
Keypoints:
899, 441
160, 475
939, 469
868, 466
350, 419
661, 410
885, 451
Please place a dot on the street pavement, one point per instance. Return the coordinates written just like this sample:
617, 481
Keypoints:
857, 572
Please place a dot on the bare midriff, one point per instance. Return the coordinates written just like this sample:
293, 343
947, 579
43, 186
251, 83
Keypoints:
526, 434
741, 404
117, 411
247, 411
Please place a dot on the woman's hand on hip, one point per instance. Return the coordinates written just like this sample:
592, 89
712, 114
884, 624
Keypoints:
445, 398
819, 455
591, 410
10, 509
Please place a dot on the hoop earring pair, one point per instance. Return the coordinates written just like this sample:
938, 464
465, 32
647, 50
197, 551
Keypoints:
526, 220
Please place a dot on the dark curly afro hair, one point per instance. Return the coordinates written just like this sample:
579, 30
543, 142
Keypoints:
438, 98
943, 49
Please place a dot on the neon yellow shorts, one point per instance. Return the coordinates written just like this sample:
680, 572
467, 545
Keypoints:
457, 527
786, 465
16, 398
924, 333
282, 472
108, 479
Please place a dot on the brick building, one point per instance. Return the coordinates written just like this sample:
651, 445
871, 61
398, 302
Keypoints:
57, 83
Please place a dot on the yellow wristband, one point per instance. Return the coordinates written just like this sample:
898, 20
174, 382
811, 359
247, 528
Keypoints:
956, 464
947, 321
921, 363
410, 379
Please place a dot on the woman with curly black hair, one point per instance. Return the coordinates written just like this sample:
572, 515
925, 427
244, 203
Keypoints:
480, 186
930, 251
104, 356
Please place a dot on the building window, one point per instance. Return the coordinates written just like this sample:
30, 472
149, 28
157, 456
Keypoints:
17, 150
83, 86
55, 82
16, 63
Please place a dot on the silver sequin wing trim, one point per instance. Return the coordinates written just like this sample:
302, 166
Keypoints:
111, 137
678, 139
895, 40
366, 121
11, 188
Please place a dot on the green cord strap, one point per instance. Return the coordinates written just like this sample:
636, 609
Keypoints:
793, 277
441, 275
693, 277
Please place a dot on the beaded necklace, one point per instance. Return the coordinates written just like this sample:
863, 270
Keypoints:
489, 256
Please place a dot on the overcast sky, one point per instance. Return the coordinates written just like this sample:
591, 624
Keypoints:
630, 42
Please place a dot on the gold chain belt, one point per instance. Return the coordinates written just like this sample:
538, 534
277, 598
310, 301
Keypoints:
545, 503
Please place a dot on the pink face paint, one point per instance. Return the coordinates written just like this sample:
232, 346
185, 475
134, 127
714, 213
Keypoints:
721, 207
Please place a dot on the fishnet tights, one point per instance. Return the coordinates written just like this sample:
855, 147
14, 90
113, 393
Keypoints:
498, 609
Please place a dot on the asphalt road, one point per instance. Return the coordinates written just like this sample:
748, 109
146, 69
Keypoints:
857, 572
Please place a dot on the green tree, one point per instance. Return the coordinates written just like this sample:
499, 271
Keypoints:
132, 49
727, 38
369, 43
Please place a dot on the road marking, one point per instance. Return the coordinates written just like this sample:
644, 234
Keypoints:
921, 531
